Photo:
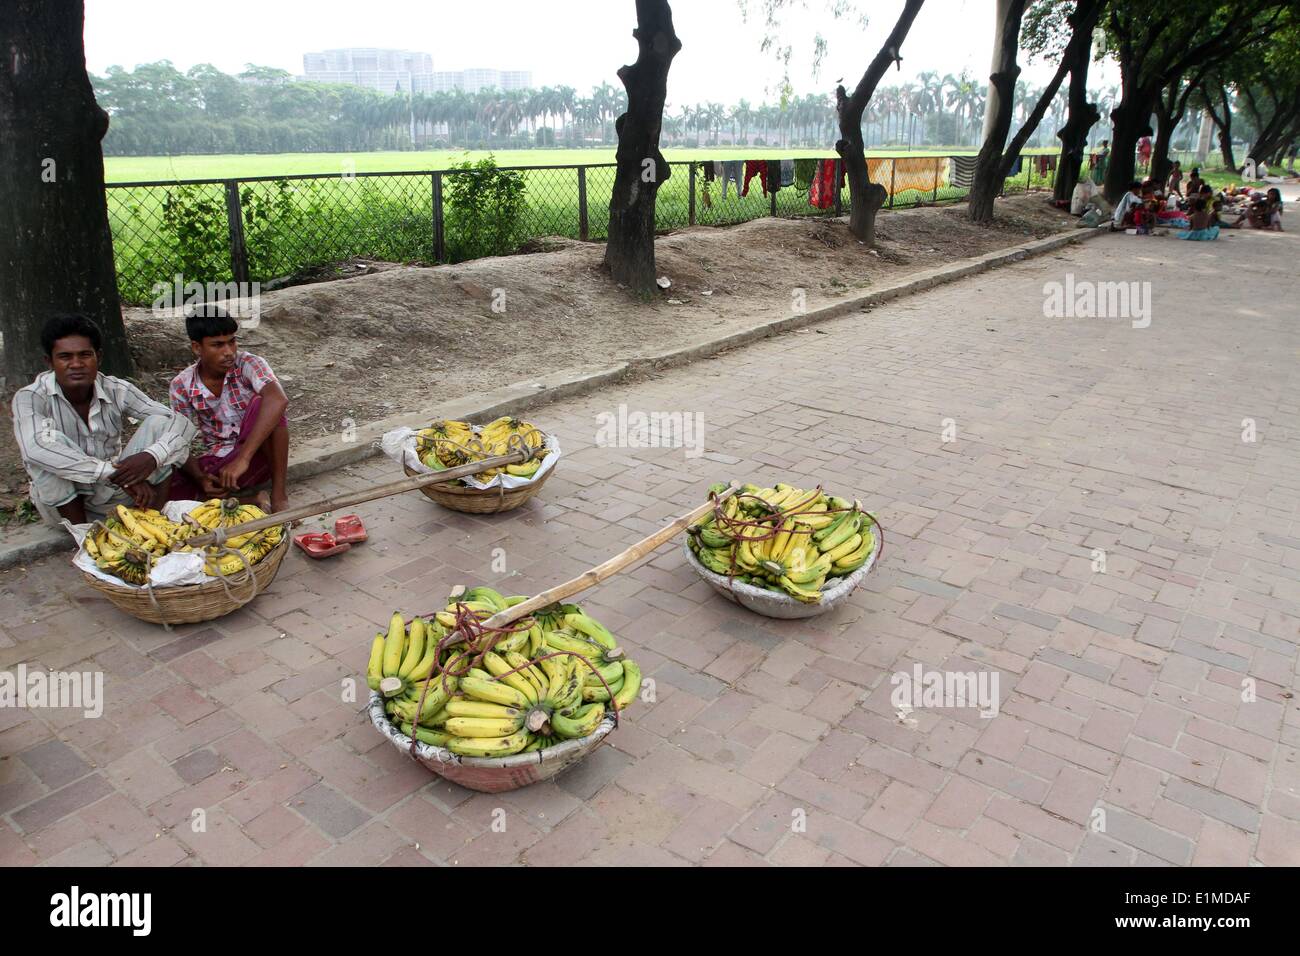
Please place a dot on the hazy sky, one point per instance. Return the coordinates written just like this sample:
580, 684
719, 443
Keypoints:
580, 43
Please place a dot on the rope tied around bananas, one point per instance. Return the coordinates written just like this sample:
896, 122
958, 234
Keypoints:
470, 629
734, 526
475, 448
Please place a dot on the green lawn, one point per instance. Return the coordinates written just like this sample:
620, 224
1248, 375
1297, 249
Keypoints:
124, 169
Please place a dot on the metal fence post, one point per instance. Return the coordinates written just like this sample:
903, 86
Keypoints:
839, 199
439, 228
893, 168
1029, 171
235, 220
690, 204
583, 228
934, 196
772, 187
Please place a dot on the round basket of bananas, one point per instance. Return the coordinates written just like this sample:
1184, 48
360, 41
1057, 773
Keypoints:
496, 710
118, 556
446, 444
785, 552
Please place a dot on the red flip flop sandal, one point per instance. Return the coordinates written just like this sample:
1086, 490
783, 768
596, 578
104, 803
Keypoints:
348, 529
319, 544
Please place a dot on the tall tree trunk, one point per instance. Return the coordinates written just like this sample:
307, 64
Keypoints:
1166, 121
998, 110
1083, 114
630, 250
56, 250
1223, 122
1130, 121
867, 197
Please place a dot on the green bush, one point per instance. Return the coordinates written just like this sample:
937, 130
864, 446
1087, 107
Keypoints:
483, 208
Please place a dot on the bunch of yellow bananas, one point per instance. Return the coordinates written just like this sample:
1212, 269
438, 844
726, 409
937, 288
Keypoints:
793, 542
515, 702
229, 513
131, 538
445, 444
128, 539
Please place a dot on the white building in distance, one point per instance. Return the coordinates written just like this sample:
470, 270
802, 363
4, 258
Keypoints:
392, 71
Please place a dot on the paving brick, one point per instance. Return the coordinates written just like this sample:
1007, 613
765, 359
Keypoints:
1279, 842
1026, 818
1211, 803
329, 810
1143, 835
959, 805
60, 803
895, 811
54, 763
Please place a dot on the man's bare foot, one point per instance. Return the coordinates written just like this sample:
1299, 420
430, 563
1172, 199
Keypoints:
263, 501
280, 503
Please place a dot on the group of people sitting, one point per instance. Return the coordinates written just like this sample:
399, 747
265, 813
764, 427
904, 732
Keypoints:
1194, 211
224, 435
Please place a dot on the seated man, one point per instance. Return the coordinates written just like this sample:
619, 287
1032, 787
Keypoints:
1128, 204
71, 430
237, 404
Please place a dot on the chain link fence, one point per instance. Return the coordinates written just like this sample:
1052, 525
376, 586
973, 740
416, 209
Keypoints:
279, 228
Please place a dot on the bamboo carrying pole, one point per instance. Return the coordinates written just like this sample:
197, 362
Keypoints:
608, 569
358, 497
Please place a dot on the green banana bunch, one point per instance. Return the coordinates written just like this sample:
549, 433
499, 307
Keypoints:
796, 541
540, 684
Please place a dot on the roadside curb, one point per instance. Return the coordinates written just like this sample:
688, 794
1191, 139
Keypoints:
321, 455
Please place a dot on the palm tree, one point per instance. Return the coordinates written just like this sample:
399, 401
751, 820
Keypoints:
965, 96
743, 114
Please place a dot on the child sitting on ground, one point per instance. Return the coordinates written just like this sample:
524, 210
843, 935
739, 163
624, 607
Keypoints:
1202, 223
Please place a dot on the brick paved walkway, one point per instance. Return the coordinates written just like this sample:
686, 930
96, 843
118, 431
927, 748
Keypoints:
1121, 691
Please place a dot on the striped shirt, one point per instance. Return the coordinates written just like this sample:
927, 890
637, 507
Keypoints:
219, 418
50, 431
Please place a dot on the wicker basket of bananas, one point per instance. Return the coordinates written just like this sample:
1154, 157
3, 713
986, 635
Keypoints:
446, 444
784, 552
498, 710
122, 554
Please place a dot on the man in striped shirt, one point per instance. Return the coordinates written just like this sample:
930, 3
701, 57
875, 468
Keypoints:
71, 428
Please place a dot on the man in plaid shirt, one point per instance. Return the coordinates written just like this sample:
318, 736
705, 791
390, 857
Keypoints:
238, 406
71, 426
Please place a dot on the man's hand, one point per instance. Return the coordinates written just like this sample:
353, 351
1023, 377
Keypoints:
231, 472
141, 493
211, 485
133, 470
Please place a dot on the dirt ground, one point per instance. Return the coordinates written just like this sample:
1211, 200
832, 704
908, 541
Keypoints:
405, 337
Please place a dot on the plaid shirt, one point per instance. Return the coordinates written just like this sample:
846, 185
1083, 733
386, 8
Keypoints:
42, 414
219, 418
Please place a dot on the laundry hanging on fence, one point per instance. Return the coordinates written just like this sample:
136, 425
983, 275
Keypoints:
804, 172
787, 172
755, 167
821, 194
773, 175
1016, 167
1046, 164
708, 171
732, 171
919, 173
961, 171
